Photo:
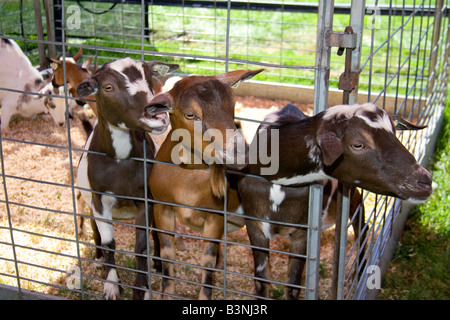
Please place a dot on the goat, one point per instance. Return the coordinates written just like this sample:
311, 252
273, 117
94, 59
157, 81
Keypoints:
75, 74
354, 144
17, 73
122, 89
196, 103
56, 102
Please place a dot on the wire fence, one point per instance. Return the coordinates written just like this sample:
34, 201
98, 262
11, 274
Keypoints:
402, 60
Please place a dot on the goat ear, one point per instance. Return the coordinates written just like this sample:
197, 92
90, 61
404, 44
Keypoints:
50, 60
87, 64
78, 55
233, 78
162, 68
54, 63
402, 124
162, 102
330, 145
87, 87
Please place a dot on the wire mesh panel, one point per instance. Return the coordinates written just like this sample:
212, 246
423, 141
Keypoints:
46, 247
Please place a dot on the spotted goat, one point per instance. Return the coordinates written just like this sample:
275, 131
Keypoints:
355, 144
122, 89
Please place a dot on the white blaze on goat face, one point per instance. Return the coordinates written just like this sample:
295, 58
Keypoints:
380, 119
137, 85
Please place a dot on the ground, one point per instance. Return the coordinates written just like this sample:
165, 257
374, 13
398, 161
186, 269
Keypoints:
38, 179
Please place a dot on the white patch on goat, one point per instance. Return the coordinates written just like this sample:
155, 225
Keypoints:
121, 141
265, 228
168, 85
140, 85
82, 174
67, 59
314, 152
305, 179
104, 228
383, 122
276, 197
263, 266
358, 110
111, 290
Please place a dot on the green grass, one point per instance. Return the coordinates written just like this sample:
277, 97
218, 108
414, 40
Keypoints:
273, 37
420, 268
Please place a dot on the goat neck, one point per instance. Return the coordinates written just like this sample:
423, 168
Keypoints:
299, 160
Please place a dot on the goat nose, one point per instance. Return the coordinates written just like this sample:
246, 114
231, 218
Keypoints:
61, 124
424, 180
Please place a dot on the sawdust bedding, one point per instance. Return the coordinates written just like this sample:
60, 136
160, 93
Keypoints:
41, 214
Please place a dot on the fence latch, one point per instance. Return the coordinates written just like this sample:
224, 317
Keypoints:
345, 41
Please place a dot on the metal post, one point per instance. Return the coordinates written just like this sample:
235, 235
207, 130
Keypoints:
323, 51
313, 249
350, 87
39, 33
357, 22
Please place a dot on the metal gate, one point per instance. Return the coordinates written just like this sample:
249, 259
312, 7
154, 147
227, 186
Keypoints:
391, 53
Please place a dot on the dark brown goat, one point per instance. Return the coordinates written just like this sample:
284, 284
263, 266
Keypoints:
123, 89
354, 144
196, 104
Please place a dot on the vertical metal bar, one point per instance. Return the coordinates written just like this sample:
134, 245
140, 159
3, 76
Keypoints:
357, 23
313, 248
50, 30
69, 142
8, 212
343, 241
357, 12
227, 39
323, 51
39, 33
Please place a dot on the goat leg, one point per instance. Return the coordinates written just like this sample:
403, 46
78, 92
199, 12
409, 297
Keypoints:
260, 257
296, 264
214, 228
165, 220
141, 248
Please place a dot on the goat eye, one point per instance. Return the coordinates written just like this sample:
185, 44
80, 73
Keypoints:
108, 88
357, 146
189, 116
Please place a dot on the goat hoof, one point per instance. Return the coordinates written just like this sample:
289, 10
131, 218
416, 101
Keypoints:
141, 294
111, 291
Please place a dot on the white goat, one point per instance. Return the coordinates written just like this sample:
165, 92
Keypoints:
56, 102
17, 73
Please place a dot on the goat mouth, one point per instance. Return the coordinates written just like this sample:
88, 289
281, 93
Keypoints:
156, 123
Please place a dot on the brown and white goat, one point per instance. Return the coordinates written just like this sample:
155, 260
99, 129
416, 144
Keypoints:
354, 144
75, 74
122, 89
17, 73
196, 103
